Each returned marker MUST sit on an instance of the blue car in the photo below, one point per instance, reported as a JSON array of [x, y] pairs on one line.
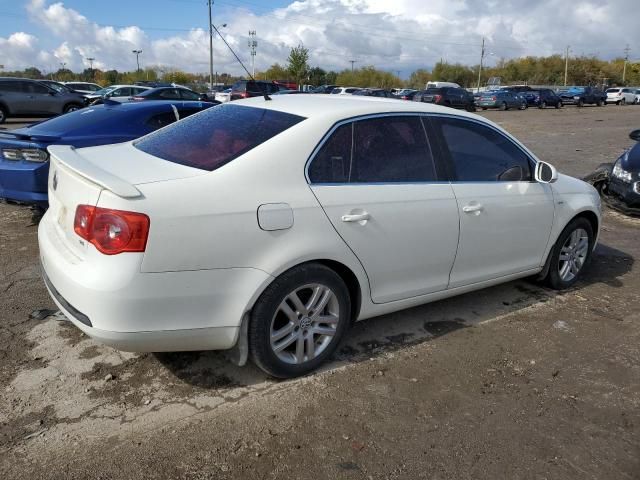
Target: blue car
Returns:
[[24, 160]]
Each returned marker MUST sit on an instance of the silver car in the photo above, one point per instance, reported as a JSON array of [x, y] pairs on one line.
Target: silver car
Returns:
[[23, 96]]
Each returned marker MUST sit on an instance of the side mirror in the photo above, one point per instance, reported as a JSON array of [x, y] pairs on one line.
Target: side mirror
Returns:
[[635, 135], [545, 173]]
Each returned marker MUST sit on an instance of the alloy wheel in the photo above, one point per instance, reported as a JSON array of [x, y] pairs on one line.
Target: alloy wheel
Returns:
[[573, 254], [304, 324]]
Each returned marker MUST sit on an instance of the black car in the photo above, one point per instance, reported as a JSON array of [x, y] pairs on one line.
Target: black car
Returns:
[[170, 93], [374, 92], [542, 98], [582, 96], [323, 89], [619, 182], [517, 88], [448, 97], [253, 88]]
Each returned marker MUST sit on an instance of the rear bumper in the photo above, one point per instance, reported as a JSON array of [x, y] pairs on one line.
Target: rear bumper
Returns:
[[112, 301], [24, 182]]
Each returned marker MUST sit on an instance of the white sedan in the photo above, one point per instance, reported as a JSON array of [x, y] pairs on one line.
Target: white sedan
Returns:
[[272, 225]]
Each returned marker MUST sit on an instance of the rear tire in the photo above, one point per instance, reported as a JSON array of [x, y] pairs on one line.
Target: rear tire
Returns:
[[3, 114], [299, 320], [599, 103], [570, 254], [504, 106], [558, 105], [623, 101]]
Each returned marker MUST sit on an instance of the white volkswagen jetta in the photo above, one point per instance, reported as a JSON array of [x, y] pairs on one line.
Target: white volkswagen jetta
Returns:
[[273, 225]]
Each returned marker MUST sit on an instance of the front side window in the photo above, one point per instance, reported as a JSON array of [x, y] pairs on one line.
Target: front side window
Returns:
[[33, 87], [188, 95], [170, 94], [481, 154], [216, 136], [388, 149]]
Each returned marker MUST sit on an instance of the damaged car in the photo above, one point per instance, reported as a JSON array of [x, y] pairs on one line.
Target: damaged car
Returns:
[[619, 182]]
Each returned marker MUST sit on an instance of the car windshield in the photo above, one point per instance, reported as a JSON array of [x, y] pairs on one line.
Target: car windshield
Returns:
[[57, 87], [104, 91], [217, 136]]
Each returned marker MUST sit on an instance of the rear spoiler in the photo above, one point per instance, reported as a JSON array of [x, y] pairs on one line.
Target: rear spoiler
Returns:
[[70, 158]]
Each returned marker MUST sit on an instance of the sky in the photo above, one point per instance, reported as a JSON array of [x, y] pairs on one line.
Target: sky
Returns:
[[394, 35]]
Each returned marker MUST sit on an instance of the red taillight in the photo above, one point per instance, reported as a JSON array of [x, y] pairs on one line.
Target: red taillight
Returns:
[[494, 98], [437, 98], [137, 99], [112, 231], [244, 95]]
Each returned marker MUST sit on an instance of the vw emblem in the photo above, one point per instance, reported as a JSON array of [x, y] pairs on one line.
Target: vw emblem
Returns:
[[55, 180]]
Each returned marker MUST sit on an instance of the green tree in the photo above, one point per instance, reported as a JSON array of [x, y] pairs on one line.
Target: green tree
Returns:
[[275, 72], [419, 79], [298, 63]]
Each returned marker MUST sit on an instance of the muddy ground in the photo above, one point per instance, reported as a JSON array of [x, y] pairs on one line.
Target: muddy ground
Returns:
[[514, 382]]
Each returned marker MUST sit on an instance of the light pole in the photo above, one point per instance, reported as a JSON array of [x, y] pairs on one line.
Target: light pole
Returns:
[[137, 53], [211, 28], [90, 60], [566, 65], [253, 44]]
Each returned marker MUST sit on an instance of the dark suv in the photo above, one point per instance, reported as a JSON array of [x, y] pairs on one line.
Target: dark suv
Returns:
[[447, 96], [582, 96], [251, 88], [22, 96], [542, 98]]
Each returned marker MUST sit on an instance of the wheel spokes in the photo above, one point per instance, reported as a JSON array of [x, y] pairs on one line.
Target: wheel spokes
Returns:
[[304, 324]]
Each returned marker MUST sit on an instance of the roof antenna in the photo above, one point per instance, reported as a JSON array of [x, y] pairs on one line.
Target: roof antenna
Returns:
[[264, 91]]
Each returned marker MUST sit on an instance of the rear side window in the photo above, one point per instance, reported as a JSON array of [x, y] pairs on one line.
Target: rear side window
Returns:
[[217, 136], [480, 154], [10, 86], [378, 150]]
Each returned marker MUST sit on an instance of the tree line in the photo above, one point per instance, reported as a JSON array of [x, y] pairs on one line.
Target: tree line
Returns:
[[583, 70]]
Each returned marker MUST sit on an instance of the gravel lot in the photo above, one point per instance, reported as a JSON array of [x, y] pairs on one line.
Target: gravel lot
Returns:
[[514, 381]]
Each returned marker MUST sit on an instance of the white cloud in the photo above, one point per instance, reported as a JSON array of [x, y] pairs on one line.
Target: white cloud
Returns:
[[398, 35]]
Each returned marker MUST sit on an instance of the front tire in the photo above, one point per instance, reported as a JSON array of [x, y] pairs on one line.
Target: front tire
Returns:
[[558, 105], [580, 103], [72, 107], [570, 254], [299, 320], [623, 101]]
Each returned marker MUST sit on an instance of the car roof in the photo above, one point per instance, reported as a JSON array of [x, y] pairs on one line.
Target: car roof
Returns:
[[340, 107]]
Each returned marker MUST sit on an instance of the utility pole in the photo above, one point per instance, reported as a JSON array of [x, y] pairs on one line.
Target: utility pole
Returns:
[[352, 62], [90, 60], [137, 54], [210, 2], [253, 44], [566, 64], [626, 60], [482, 51]]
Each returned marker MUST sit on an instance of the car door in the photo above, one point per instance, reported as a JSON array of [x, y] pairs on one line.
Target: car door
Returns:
[[505, 216], [41, 100], [376, 180]]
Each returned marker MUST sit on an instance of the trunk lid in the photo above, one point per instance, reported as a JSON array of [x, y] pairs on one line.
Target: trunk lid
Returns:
[[77, 177]]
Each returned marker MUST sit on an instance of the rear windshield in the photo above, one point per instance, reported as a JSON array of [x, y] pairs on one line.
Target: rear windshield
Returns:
[[216, 136]]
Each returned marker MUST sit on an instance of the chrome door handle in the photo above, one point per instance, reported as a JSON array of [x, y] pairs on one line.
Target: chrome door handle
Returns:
[[472, 208], [359, 217]]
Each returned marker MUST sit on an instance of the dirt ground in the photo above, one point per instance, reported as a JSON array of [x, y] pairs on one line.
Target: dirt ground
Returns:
[[513, 382]]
